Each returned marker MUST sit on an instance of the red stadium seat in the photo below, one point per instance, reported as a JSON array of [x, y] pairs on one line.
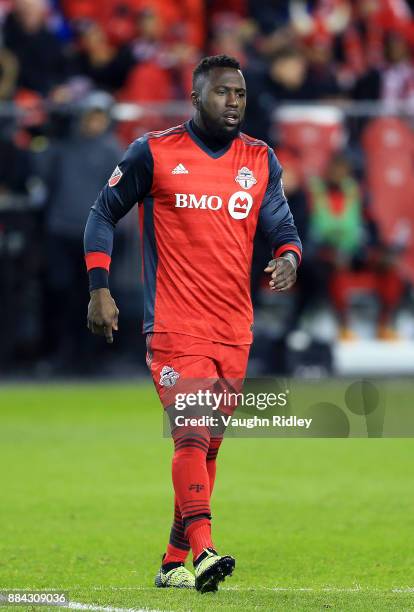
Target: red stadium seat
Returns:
[[389, 147], [313, 132]]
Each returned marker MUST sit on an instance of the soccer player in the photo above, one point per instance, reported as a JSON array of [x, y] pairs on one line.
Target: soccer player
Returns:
[[201, 188]]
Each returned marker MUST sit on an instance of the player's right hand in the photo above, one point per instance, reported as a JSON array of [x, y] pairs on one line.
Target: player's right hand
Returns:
[[103, 314]]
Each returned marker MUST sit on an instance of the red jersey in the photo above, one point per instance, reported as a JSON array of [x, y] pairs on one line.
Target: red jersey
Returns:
[[199, 211]]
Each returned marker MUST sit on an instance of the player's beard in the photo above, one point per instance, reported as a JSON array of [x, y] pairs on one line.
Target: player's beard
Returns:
[[216, 131]]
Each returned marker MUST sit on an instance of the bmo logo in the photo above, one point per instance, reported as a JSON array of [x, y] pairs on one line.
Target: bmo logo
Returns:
[[239, 204], [189, 200]]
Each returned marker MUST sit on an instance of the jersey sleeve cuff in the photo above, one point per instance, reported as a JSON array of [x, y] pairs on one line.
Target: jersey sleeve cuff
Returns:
[[98, 279], [97, 260], [289, 247]]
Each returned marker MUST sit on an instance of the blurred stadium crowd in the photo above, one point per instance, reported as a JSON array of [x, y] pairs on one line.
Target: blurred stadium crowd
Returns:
[[330, 86]]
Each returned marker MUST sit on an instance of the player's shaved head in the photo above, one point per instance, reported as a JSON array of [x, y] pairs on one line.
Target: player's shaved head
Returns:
[[219, 96]]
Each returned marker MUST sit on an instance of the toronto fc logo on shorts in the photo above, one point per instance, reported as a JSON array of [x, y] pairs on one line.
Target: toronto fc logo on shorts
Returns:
[[245, 178], [168, 377], [115, 177]]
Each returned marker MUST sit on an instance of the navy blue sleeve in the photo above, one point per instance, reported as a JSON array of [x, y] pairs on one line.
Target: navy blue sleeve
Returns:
[[129, 183], [275, 217]]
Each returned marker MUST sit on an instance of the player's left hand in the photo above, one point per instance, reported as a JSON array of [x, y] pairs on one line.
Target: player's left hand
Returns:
[[283, 272]]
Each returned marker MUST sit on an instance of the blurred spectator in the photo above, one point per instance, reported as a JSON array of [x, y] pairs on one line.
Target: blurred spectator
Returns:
[[151, 79], [227, 36], [182, 22], [120, 26], [398, 77], [359, 50], [8, 74], [297, 75], [77, 170], [14, 162], [164, 61], [98, 59], [345, 242], [19, 249], [307, 288], [31, 116], [237, 7], [336, 218], [321, 72], [293, 188], [83, 9], [39, 52], [286, 79], [394, 80], [269, 15]]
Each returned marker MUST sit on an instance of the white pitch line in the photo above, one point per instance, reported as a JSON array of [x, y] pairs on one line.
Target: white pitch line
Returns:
[[355, 589], [74, 605]]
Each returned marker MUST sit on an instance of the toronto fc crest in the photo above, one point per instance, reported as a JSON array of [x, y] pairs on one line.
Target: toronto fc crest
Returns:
[[168, 377], [245, 178]]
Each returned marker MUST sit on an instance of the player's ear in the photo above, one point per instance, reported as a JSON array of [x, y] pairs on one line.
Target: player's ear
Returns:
[[195, 99]]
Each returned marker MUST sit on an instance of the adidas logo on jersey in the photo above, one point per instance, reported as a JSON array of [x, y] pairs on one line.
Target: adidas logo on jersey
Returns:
[[180, 169]]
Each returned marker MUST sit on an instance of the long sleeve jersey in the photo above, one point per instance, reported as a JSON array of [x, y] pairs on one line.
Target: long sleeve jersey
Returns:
[[198, 212]]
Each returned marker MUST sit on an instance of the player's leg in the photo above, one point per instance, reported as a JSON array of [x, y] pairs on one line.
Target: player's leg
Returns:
[[189, 468], [178, 545], [191, 484], [191, 465], [231, 366], [215, 443], [231, 363], [172, 572]]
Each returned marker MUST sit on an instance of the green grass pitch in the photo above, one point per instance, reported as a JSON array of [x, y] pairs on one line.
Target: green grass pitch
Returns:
[[86, 505]]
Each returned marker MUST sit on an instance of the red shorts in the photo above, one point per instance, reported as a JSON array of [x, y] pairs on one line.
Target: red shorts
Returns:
[[175, 358]]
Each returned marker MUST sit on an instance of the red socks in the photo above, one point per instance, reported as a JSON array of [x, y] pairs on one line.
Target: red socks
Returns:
[[174, 555], [211, 461], [193, 472], [199, 534], [178, 547], [191, 483]]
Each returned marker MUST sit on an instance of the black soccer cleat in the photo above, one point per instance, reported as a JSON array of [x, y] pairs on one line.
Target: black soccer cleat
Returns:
[[210, 569]]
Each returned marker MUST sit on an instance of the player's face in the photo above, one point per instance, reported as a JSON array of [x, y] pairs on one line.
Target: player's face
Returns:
[[222, 102]]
